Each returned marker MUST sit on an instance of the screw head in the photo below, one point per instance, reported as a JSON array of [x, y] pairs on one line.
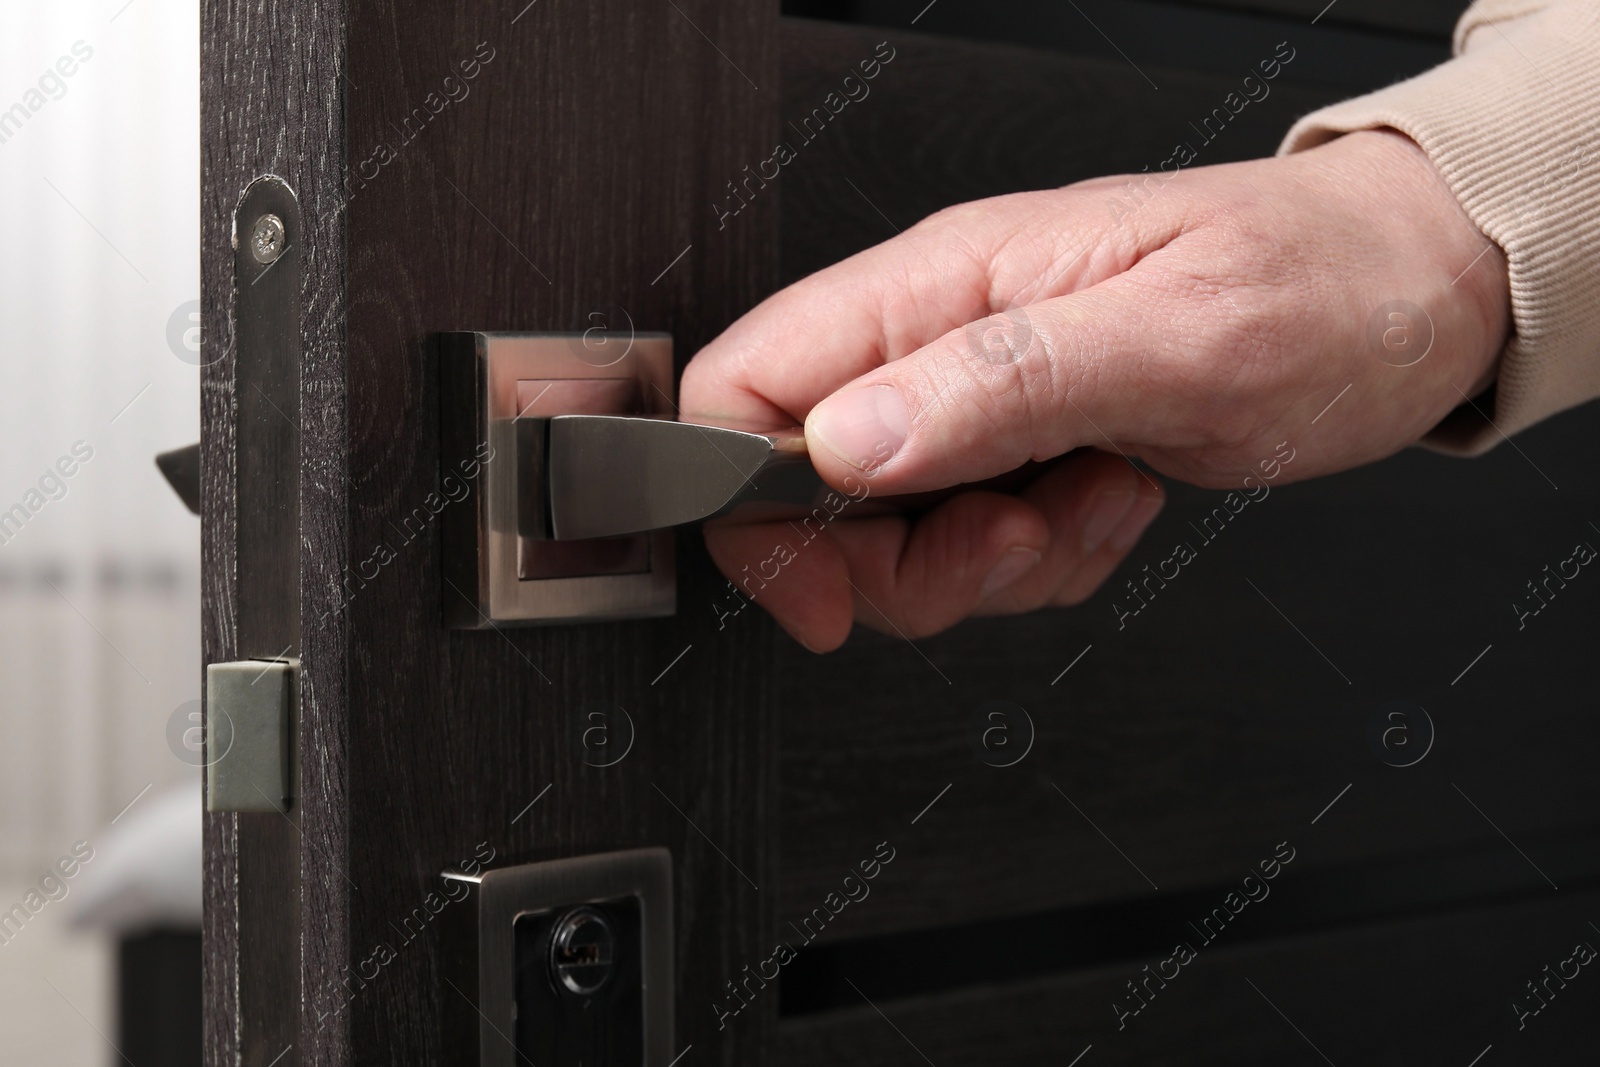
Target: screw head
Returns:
[[583, 950], [267, 239]]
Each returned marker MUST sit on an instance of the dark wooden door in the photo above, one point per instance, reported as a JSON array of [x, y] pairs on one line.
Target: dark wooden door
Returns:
[[521, 166], [471, 166], [1247, 712]]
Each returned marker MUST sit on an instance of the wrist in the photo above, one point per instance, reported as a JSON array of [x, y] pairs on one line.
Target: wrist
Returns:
[[1461, 275]]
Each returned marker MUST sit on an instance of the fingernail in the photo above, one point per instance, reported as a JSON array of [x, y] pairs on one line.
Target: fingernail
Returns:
[[865, 427], [1013, 565], [1104, 514], [1133, 524]]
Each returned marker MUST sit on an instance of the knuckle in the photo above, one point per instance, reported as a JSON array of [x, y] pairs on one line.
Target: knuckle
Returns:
[[951, 217], [696, 377], [970, 213], [1223, 358], [998, 389]]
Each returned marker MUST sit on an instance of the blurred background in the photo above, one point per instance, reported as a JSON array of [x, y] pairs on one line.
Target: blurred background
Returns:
[[99, 599]]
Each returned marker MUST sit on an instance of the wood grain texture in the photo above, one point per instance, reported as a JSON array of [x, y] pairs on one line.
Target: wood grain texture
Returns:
[[271, 104], [1437, 990], [1209, 728], [1433, 18], [1156, 39], [949, 121], [1182, 747], [1427, 18], [561, 180]]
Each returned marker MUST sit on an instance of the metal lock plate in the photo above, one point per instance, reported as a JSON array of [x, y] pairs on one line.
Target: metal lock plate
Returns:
[[250, 720], [492, 385], [564, 962]]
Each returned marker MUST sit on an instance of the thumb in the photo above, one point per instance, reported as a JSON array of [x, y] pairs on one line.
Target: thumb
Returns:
[[1024, 384]]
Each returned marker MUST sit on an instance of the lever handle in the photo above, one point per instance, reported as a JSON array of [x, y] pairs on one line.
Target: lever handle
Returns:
[[181, 468], [588, 476], [562, 463]]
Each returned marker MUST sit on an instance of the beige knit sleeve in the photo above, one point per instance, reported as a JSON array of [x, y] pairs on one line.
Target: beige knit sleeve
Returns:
[[1513, 124]]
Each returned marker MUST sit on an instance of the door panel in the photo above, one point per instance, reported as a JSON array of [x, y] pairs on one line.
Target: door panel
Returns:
[[552, 166], [498, 167], [949, 121], [268, 106], [1208, 728], [1178, 747], [1399, 988]]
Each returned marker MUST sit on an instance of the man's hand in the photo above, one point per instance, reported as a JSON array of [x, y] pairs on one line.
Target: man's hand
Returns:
[[1196, 321]]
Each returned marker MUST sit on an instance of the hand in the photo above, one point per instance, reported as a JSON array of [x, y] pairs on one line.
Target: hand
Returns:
[[1197, 322]]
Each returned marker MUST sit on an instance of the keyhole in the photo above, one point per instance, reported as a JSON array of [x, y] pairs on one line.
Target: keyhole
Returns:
[[583, 951]]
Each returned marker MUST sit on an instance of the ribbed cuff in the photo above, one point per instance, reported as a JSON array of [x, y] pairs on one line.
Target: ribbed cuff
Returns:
[[1513, 125]]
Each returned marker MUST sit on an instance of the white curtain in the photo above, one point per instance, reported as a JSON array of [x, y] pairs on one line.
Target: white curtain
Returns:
[[99, 612]]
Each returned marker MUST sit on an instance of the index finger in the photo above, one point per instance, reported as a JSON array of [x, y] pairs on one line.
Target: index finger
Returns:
[[808, 340]]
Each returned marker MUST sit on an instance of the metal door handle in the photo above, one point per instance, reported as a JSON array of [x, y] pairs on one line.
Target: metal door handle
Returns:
[[589, 476], [576, 472], [181, 468]]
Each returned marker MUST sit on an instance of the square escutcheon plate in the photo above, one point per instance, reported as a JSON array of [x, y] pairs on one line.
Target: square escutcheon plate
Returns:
[[495, 576]]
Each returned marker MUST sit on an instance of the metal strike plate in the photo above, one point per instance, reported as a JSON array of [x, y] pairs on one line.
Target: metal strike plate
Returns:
[[250, 707], [564, 962], [492, 385]]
